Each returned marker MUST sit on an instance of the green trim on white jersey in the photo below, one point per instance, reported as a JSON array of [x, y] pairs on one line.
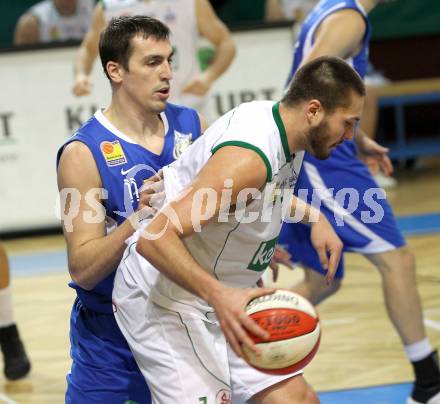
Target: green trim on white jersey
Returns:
[[282, 129], [250, 147]]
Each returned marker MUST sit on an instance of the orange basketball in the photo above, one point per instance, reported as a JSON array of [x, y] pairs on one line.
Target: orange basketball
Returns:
[[294, 329]]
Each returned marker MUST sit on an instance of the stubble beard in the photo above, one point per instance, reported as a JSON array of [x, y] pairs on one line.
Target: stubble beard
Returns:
[[318, 141]]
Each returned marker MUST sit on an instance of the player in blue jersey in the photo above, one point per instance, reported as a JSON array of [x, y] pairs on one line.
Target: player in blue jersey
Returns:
[[101, 170], [367, 226]]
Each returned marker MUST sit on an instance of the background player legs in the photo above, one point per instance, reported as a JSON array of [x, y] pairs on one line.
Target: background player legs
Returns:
[[4, 269], [402, 301], [314, 288], [397, 268], [290, 391], [16, 362]]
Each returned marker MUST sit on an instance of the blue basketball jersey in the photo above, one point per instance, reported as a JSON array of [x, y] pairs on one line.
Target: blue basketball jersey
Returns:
[[306, 37], [123, 166]]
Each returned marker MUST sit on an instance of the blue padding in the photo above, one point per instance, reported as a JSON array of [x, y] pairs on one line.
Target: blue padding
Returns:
[[34, 263], [414, 148], [392, 100], [388, 394], [419, 224]]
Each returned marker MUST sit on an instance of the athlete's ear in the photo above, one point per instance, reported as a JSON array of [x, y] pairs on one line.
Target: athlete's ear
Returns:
[[114, 71], [313, 111]]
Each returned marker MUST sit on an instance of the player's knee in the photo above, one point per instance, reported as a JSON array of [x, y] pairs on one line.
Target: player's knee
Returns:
[[304, 395], [323, 291], [310, 396], [408, 260], [291, 391], [334, 286], [407, 264], [400, 262]]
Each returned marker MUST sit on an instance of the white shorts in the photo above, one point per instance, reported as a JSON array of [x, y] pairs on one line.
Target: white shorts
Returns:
[[183, 358]]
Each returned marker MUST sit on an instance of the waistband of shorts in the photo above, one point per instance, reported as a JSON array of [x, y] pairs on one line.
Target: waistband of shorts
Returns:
[[205, 313]]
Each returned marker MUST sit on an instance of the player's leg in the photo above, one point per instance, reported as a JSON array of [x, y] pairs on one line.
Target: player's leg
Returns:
[[182, 357], [295, 238], [16, 362], [103, 368], [371, 229], [398, 271], [314, 286], [252, 386], [291, 391]]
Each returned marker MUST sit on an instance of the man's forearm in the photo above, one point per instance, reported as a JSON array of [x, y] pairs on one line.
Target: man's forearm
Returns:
[[307, 212], [96, 259], [83, 62], [169, 255], [224, 54], [359, 137]]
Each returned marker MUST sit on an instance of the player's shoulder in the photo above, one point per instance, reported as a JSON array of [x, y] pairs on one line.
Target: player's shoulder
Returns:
[[256, 104], [255, 113], [80, 141], [326, 6], [76, 149], [254, 123], [41, 7], [337, 5], [71, 153], [178, 109], [181, 114], [89, 128]]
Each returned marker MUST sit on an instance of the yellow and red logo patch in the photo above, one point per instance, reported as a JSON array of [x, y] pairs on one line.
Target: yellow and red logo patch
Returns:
[[113, 153]]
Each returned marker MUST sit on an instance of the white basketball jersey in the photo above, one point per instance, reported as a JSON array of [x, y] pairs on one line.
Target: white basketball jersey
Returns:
[[180, 17], [56, 27], [236, 247]]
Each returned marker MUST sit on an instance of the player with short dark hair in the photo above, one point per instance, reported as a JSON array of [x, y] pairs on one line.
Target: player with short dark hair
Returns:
[[214, 238], [188, 20], [101, 172]]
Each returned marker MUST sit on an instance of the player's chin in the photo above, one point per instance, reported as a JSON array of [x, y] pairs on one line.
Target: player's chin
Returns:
[[160, 104], [326, 154], [323, 154]]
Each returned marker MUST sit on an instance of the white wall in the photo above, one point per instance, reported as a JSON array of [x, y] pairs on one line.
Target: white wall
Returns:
[[38, 112]]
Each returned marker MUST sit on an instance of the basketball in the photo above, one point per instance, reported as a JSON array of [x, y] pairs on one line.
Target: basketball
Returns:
[[294, 329]]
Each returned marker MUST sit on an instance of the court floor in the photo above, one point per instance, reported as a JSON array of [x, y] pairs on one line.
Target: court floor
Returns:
[[360, 359]]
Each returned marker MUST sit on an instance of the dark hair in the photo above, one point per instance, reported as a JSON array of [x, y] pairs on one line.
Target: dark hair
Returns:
[[115, 40], [327, 79]]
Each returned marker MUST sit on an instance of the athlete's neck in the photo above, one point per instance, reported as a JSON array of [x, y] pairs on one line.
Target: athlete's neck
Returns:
[[296, 127], [136, 124]]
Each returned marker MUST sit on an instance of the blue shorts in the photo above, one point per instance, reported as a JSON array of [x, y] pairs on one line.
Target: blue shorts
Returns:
[[344, 190], [103, 368]]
